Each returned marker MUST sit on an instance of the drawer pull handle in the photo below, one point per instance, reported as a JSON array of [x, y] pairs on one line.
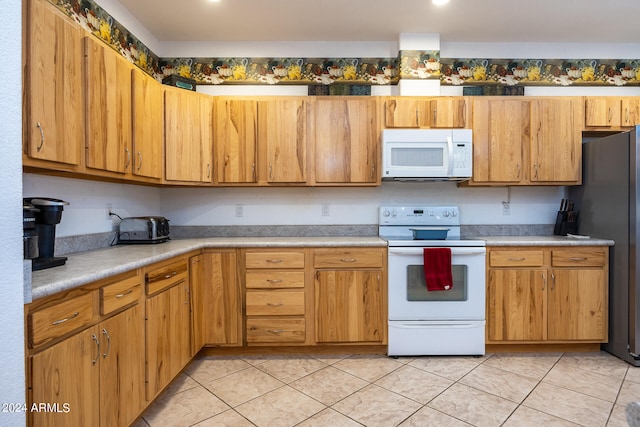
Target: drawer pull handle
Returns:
[[274, 280], [124, 294], [517, 259], [66, 319], [95, 339], [348, 260], [170, 275], [578, 258], [275, 331], [274, 261], [275, 304]]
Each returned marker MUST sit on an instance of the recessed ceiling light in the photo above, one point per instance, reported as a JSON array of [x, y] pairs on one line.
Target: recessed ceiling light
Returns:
[[214, 1], [439, 2]]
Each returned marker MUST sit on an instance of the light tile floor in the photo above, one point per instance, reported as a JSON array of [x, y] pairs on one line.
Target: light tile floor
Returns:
[[541, 389]]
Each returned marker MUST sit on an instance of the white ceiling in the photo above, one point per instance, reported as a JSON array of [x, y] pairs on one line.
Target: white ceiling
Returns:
[[561, 21]]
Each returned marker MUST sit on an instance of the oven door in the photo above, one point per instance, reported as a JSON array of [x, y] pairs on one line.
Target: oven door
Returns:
[[409, 298]]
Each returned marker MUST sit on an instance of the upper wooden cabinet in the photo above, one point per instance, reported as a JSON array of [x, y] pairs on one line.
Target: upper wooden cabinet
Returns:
[[54, 91], [527, 141], [188, 136], [500, 140], [147, 126], [108, 109], [235, 141], [282, 140], [261, 142], [346, 141], [417, 112], [612, 112], [556, 141]]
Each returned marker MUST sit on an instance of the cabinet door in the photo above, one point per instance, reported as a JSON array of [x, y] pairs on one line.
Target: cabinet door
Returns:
[[500, 135], [68, 374], [349, 306], [54, 86], [446, 112], [147, 126], [168, 346], [122, 368], [404, 112], [282, 126], [556, 141], [346, 141], [516, 305], [108, 107], [630, 111], [235, 144], [187, 119], [577, 300], [602, 111], [216, 300]]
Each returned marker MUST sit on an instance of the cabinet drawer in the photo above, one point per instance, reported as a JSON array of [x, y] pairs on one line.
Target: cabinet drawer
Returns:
[[533, 258], [293, 259], [265, 303], [276, 330], [580, 257], [119, 294], [275, 279], [336, 258], [55, 321], [164, 277]]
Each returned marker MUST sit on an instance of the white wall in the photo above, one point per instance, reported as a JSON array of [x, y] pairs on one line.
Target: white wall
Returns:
[[303, 206], [87, 210], [12, 378]]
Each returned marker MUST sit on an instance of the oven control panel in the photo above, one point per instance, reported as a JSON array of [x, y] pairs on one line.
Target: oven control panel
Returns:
[[419, 215]]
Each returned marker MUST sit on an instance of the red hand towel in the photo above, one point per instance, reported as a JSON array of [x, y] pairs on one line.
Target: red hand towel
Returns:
[[437, 269]]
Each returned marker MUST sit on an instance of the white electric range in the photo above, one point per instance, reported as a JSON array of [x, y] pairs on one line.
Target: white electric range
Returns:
[[423, 322]]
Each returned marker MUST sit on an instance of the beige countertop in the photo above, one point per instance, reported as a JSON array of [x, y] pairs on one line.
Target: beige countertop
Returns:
[[86, 267], [544, 241]]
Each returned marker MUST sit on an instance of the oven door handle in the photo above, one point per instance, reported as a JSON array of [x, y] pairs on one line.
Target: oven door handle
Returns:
[[454, 251], [433, 326]]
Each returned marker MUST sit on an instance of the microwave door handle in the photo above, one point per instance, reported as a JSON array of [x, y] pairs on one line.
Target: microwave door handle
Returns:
[[450, 162]]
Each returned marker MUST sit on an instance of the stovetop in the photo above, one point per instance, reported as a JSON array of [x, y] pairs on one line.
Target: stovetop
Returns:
[[396, 224]]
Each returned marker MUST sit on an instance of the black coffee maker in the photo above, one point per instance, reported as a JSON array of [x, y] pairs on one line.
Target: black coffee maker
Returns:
[[48, 213]]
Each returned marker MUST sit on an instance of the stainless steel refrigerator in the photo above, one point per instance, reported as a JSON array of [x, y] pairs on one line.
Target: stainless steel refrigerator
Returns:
[[608, 203]]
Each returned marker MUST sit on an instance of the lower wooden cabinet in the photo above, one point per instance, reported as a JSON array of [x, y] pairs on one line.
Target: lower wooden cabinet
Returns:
[[95, 377], [349, 306], [547, 295], [350, 295], [215, 298], [168, 324], [276, 296]]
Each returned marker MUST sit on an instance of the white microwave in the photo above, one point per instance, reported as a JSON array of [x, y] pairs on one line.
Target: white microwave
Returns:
[[427, 154]]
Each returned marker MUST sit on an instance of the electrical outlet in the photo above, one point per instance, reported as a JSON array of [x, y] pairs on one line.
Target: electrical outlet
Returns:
[[108, 211], [325, 209], [239, 210], [506, 208]]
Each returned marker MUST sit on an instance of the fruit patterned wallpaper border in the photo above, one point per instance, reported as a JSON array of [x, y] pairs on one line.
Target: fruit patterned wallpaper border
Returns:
[[413, 64]]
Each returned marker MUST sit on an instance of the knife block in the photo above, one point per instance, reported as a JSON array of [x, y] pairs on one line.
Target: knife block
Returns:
[[563, 225]]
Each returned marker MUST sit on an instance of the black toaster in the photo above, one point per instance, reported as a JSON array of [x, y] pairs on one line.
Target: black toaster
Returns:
[[143, 229]]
